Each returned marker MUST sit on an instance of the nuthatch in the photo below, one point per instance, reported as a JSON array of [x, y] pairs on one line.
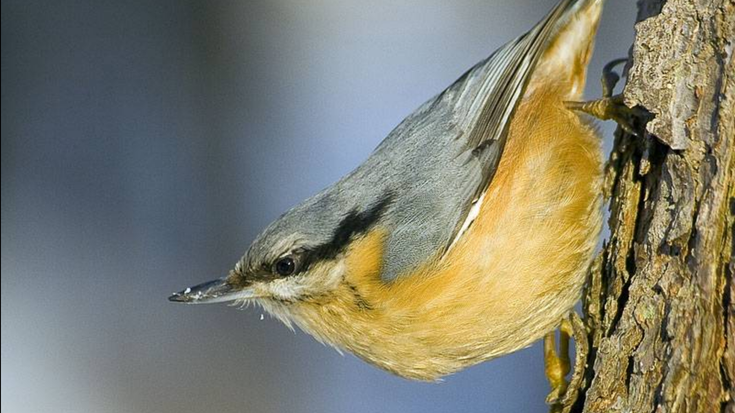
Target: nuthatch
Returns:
[[466, 235]]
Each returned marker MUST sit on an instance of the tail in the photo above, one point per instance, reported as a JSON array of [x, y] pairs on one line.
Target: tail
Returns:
[[568, 50], [556, 50]]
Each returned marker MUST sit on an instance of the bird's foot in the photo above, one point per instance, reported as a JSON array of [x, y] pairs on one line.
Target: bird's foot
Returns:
[[612, 107], [632, 120], [564, 393], [557, 364]]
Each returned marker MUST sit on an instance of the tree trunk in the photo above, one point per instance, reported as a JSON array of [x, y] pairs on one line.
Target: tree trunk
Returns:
[[659, 304]]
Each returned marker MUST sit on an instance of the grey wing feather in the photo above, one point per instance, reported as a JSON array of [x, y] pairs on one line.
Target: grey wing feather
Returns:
[[476, 111], [509, 71]]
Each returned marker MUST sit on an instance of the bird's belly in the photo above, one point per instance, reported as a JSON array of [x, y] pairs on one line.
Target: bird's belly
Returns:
[[534, 240]]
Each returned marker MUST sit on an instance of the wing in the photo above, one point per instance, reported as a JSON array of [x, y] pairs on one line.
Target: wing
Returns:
[[467, 126], [508, 72]]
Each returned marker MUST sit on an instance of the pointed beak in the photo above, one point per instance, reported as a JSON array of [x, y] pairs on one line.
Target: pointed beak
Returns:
[[217, 291]]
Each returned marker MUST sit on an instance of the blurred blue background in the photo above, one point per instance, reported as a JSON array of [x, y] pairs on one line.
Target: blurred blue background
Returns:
[[144, 144]]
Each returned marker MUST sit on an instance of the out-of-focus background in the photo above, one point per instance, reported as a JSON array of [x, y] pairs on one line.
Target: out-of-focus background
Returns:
[[144, 144]]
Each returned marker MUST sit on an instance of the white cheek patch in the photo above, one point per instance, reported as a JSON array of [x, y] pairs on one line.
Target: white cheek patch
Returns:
[[287, 288], [335, 274], [315, 282], [277, 293]]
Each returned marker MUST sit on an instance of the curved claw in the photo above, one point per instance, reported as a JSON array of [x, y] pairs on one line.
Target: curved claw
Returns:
[[611, 78]]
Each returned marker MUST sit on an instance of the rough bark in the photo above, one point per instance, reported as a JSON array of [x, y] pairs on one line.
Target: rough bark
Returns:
[[659, 304]]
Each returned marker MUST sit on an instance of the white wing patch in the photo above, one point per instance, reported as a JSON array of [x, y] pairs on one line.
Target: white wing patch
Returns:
[[471, 216]]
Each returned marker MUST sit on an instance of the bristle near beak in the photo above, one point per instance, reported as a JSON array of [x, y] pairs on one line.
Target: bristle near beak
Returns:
[[216, 291]]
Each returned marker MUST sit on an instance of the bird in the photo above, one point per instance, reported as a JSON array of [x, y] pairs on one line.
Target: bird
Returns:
[[467, 233]]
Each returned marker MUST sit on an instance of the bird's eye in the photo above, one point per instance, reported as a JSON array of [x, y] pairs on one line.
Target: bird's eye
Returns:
[[285, 266]]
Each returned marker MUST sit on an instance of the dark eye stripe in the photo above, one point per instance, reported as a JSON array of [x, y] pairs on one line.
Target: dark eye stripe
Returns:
[[354, 224]]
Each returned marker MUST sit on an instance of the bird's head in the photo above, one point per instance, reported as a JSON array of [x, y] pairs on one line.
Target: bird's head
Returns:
[[300, 256]]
